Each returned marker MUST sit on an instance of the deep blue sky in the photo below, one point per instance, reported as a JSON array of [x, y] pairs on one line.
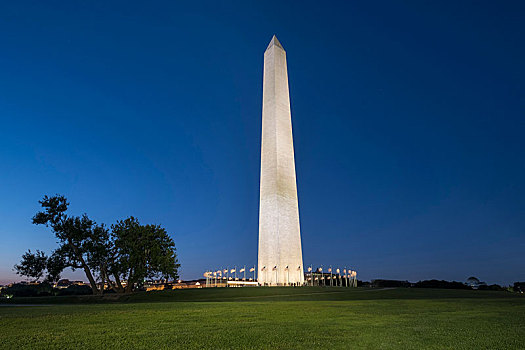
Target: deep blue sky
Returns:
[[408, 120]]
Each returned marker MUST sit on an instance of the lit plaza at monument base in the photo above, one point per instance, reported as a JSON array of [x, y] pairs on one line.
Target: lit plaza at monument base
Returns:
[[332, 277], [280, 257]]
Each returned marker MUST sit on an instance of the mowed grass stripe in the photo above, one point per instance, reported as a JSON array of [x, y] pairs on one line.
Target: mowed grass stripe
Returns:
[[466, 321]]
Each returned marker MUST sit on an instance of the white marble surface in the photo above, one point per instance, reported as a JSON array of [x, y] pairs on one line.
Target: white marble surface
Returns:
[[279, 229]]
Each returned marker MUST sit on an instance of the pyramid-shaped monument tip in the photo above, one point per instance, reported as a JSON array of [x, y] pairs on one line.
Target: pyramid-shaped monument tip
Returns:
[[275, 42]]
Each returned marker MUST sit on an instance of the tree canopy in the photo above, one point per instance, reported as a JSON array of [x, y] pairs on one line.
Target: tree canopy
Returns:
[[33, 265]]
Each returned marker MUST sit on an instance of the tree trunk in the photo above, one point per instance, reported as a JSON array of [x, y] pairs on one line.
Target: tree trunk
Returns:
[[131, 282], [110, 283], [87, 271], [92, 281], [106, 277], [120, 288]]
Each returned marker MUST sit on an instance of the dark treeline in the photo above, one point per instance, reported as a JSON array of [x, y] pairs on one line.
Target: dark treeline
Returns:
[[383, 283], [441, 284], [43, 289], [519, 287]]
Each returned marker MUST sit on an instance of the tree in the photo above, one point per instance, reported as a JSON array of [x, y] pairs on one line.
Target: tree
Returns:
[[33, 265], [81, 241], [130, 251], [142, 251]]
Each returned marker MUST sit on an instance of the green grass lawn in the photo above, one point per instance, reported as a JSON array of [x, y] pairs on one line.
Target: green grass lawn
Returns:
[[270, 318]]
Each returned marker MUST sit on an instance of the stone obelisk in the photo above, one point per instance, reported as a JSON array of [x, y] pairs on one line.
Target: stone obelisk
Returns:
[[280, 254]]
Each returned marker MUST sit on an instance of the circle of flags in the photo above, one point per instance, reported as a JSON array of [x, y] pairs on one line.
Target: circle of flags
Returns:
[[313, 277]]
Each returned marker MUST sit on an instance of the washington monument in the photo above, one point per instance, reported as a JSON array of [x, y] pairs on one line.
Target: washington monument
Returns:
[[280, 254]]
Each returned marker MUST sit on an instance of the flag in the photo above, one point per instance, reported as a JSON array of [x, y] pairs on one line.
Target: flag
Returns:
[[252, 269]]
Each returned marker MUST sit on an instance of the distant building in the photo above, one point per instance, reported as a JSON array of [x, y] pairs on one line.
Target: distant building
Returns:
[[166, 285], [64, 283], [474, 283]]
